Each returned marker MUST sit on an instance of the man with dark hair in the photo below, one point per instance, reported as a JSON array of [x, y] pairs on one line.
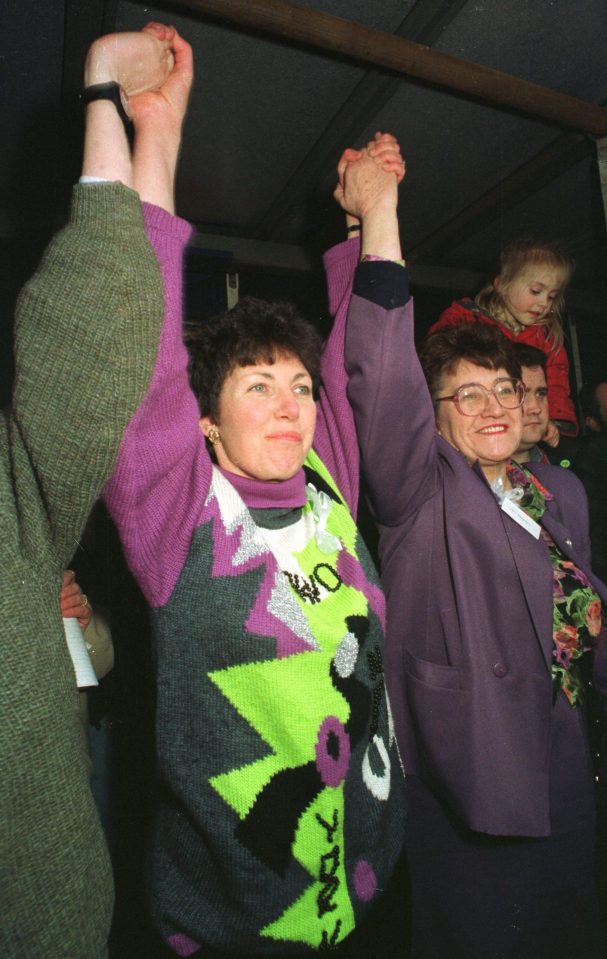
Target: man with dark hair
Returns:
[[535, 406]]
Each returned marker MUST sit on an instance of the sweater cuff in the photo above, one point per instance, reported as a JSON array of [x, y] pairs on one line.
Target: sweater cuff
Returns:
[[161, 221], [382, 282], [107, 209]]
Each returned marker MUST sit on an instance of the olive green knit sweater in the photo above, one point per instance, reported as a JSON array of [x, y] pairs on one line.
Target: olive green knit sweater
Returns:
[[86, 336]]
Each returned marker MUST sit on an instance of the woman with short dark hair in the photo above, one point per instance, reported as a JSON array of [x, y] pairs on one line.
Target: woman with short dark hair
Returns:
[[280, 812]]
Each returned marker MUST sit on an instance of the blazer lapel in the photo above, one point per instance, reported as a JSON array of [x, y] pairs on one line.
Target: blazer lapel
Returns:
[[535, 574]]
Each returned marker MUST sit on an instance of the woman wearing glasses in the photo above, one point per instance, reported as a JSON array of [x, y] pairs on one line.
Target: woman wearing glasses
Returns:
[[493, 612]]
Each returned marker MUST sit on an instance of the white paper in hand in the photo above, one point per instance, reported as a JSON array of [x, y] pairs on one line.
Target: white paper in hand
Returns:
[[76, 643]]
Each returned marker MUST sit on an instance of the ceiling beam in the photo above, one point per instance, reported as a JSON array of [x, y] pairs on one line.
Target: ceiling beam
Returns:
[[242, 253], [222, 254], [357, 42]]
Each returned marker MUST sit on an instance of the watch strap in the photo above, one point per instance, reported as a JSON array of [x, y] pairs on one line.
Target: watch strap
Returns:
[[108, 91]]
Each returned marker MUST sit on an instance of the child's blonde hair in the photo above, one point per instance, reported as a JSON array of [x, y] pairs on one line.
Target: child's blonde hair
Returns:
[[516, 257]]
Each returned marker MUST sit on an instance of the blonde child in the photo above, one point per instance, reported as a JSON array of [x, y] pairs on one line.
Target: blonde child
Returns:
[[525, 300]]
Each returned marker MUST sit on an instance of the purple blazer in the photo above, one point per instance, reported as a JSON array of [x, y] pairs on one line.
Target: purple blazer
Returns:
[[469, 633]]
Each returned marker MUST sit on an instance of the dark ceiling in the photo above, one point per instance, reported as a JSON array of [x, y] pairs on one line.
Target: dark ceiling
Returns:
[[269, 118]]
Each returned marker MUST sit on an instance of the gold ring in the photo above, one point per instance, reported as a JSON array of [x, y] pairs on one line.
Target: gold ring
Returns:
[[84, 601]]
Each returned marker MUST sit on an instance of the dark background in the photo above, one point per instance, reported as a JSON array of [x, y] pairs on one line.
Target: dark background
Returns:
[[267, 123]]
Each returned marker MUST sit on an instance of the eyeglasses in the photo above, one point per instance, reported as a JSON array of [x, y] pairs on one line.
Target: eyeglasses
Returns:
[[472, 398]]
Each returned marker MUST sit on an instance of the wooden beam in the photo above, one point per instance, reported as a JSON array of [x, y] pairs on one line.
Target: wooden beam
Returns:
[[245, 254], [355, 41], [223, 254]]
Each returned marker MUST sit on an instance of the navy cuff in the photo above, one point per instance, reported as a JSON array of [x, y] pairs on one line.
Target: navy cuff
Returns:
[[382, 282]]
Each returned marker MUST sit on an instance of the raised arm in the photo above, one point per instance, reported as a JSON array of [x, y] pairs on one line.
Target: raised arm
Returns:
[[336, 439], [163, 470], [87, 329], [393, 410], [136, 62], [158, 117]]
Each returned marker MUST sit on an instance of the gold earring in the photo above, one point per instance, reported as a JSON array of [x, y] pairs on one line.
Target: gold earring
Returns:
[[213, 435]]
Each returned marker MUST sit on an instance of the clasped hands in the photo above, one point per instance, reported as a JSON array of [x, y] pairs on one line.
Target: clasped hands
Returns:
[[154, 68], [369, 177]]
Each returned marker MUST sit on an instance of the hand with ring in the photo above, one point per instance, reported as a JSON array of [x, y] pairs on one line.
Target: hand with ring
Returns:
[[73, 602]]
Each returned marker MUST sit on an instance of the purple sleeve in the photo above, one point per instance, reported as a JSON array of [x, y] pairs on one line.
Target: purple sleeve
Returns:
[[163, 470], [392, 407], [335, 438]]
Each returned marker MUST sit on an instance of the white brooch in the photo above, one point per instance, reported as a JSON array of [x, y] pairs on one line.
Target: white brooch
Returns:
[[514, 494], [321, 507]]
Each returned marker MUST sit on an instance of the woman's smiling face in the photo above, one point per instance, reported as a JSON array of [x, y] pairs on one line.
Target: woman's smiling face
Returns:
[[266, 420], [492, 436]]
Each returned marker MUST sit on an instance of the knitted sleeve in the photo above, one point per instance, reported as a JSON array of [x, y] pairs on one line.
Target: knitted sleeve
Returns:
[[163, 471], [86, 334], [335, 438]]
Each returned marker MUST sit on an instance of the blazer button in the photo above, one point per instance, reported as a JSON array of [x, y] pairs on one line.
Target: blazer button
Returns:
[[500, 670], [568, 542]]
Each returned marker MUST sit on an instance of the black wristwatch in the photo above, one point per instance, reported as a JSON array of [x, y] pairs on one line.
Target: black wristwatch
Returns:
[[109, 91]]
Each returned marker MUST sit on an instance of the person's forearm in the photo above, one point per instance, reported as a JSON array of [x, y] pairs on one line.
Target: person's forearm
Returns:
[[106, 149], [158, 118], [155, 156], [380, 234]]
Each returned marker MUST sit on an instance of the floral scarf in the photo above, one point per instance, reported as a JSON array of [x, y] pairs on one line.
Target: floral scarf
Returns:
[[577, 618]]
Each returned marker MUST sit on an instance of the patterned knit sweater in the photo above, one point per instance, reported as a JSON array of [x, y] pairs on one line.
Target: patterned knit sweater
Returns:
[[86, 336], [281, 808]]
